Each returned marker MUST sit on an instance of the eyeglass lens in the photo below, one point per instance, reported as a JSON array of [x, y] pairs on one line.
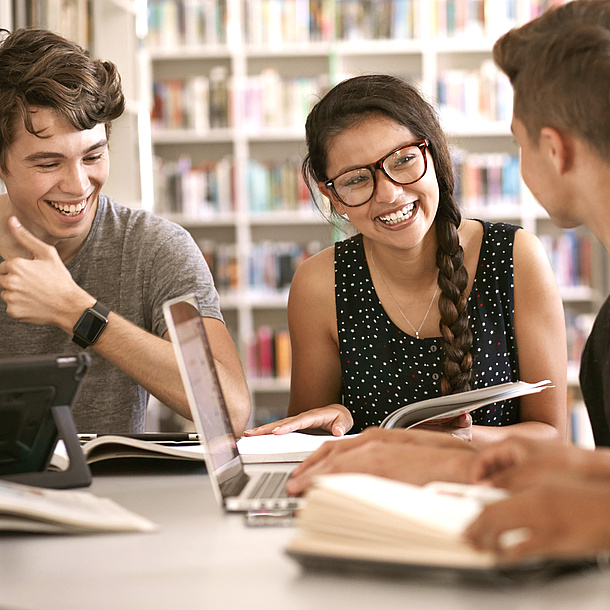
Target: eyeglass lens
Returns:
[[403, 166]]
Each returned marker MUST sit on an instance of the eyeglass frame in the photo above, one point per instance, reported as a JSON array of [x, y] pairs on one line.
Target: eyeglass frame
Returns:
[[373, 167]]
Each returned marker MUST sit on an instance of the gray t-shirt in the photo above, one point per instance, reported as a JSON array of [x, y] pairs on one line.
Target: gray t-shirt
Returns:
[[132, 261]]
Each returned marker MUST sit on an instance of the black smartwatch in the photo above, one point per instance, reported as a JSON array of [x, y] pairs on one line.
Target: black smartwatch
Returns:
[[90, 325]]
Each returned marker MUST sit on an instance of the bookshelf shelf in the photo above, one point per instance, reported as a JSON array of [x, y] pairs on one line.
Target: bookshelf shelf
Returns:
[[188, 52], [270, 57], [184, 136]]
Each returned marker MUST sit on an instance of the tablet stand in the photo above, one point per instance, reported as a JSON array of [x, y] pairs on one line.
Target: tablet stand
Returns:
[[77, 474]]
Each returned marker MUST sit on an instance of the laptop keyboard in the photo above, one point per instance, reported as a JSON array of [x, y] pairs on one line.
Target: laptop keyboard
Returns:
[[270, 485]]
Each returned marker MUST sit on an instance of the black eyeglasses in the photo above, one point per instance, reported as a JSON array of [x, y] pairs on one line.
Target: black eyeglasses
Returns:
[[403, 166]]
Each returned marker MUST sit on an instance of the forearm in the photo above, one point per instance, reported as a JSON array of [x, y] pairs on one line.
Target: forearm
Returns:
[[147, 359], [236, 395], [485, 435]]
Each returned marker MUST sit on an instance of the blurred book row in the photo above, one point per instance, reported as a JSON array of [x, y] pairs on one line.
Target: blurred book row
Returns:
[[277, 22]]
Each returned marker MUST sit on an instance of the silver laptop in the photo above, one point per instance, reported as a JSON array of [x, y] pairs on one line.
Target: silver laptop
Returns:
[[234, 489]]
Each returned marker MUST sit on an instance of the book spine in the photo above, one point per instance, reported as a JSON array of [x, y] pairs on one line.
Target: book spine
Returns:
[[487, 180], [272, 264], [571, 256], [268, 354], [193, 191], [223, 263]]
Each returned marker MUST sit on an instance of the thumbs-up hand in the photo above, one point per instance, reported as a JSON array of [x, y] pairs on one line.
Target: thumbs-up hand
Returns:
[[40, 289]]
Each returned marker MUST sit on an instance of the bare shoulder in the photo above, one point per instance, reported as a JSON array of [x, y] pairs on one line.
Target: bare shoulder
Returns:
[[316, 274], [312, 291], [527, 244], [530, 260], [471, 234]]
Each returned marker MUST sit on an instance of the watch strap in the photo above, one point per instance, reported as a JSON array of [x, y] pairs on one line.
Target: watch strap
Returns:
[[101, 309]]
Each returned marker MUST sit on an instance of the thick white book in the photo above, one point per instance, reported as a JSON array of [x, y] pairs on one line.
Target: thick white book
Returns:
[[33, 509], [445, 408], [358, 522], [291, 447]]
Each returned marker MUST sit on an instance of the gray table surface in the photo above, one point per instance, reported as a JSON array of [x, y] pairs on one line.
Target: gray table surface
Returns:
[[202, 558]]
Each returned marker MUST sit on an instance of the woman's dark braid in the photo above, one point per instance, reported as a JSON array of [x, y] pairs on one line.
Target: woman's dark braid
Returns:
[[452, 305]]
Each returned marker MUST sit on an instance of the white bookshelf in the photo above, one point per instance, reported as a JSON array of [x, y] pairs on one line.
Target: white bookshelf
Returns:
[[423, 59]]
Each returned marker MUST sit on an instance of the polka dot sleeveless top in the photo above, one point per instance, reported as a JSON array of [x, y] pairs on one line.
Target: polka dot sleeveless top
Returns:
[[385, 368]]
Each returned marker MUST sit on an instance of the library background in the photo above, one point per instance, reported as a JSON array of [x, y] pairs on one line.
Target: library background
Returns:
[[218, 92]]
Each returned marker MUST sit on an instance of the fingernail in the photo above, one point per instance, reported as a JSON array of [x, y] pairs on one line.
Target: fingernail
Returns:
[[275, 429], [16, 221]]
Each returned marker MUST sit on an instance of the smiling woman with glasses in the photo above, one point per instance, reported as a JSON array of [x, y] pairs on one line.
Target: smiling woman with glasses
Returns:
[[419, 302]]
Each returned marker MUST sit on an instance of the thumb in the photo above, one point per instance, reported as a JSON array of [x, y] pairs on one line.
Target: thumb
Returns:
[[463, 421], [30, 242]]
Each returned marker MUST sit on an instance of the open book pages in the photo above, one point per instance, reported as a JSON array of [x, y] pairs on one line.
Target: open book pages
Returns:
[[444, 408], [292, 447], [358, 516], [109, 447], [32, 509]]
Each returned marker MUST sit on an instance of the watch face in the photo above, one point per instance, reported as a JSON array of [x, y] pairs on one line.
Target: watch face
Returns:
[[91, 325]]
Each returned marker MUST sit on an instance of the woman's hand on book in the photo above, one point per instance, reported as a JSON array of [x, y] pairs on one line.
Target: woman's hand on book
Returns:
[[335, 418], [460, 427]]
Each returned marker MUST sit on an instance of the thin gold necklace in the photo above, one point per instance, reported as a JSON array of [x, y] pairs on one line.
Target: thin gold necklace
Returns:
[[402, 313]]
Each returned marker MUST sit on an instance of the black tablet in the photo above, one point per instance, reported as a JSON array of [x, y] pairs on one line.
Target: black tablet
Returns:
[[36, 395]]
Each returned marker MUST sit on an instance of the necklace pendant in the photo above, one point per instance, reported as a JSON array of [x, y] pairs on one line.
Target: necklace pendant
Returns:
[[416, 334]]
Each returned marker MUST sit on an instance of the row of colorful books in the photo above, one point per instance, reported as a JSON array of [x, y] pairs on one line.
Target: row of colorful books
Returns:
[[275, 186], [207, 189], [201, 190], [206, 102], [571, 256], [377, 20], [271, 23], [275, 22], [271, 100], [70, 18], [223, 262], [173, 23], [271, 265], [199, 103], [268, 354], [486, 180], [484, 93]]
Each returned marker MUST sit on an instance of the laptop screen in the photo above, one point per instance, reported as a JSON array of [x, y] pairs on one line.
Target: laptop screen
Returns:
[[207, 402]]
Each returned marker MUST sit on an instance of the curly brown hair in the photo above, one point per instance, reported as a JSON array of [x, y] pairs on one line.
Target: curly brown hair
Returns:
[[356, 99], [39, 68]]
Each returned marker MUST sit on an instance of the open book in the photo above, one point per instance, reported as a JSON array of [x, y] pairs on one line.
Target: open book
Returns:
[[444, 408], [359, 522], [293, 447], [111, 446], [33, 509]]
